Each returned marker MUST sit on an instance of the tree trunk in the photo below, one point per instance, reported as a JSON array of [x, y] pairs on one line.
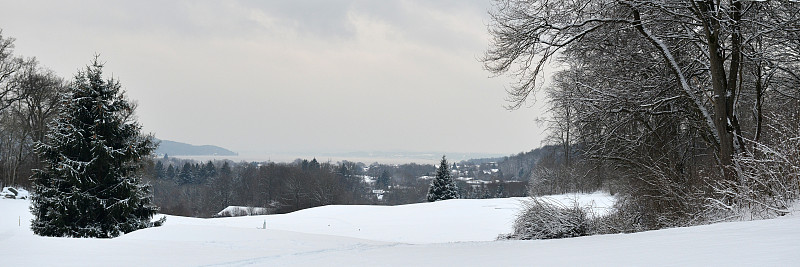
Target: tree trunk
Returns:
[[722, 94], [759, 96]]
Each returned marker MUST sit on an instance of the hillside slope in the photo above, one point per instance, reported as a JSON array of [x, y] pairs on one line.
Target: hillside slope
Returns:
[[383, 236], [173, 148]]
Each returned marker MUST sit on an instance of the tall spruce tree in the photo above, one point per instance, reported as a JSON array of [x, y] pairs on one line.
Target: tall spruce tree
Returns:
[[186, 176], [158, 170], [170, 174], [383, 180], [210, 170], [443, 186], [90, 184]]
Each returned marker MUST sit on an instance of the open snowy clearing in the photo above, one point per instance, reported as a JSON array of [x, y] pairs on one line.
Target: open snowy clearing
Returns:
[[446, 233]]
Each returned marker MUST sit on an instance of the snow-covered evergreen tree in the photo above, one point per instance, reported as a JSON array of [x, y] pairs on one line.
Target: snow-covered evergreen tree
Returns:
[[90, 184], [443, 186], [210, 169], [170, 174], [158, 170], [384, 180], [186, 176]]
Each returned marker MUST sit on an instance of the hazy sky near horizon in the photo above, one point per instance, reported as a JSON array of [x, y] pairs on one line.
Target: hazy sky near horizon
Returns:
[[290, 76]]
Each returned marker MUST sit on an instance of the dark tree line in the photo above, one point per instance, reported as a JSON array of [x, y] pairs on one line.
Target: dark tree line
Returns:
[[188, 173], [203, 189], [189, 188]]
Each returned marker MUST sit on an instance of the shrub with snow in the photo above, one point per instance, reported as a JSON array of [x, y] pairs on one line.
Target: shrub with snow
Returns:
[[768, 182], [543, 219], [235, 211]]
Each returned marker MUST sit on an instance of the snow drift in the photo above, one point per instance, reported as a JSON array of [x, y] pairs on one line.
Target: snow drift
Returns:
[[444, 233]]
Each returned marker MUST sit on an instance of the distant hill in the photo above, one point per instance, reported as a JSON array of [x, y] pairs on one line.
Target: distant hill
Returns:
[[173, 148]]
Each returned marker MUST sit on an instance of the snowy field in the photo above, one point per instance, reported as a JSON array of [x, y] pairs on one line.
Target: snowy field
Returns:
[[445, 233]]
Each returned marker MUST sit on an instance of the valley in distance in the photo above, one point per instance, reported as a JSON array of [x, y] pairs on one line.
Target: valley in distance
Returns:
[[212, 152]]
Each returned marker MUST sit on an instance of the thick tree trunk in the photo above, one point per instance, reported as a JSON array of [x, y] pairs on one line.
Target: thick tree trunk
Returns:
[[734, 74], [723, 96]]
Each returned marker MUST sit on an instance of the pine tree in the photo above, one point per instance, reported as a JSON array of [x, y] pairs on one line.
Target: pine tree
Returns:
[[186, 176], [443, 186], [210, 170], [209, 173], [343, 171], [90, 184], [501, 191], [170, 172], [200, 174], [383, 180], [158, 170], [225, 170]]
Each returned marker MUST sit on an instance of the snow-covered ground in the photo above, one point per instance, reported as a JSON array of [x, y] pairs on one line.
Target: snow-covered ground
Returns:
[[445, 233]]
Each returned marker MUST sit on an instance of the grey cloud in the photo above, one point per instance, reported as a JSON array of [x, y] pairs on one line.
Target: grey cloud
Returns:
[[330, 18], [320, 18], [309, 79]]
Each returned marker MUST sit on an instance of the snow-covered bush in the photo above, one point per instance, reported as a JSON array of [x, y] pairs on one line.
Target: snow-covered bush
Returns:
[[545, 219], [236, 211], [623, 219], [768, 182]]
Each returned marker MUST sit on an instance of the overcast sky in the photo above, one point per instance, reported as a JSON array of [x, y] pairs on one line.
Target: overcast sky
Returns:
[[290, 76]]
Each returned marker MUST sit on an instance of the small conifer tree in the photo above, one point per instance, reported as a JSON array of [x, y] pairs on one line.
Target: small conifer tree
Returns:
[[186, 175], [170, 172], [90, 184], [443, 186], [210, 170], [384, 180], [158, 170]]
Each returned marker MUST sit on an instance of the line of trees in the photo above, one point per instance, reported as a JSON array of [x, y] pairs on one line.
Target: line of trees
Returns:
[[202, 190], [190, 188], [689, 107]]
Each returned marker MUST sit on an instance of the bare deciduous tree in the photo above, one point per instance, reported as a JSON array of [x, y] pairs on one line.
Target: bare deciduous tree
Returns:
[[662, 85]]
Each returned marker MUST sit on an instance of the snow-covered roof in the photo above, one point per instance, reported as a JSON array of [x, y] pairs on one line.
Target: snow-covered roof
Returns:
[[14, 193]]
